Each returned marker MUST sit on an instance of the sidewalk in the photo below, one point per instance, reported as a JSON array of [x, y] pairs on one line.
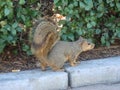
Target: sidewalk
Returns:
[[99, 87]]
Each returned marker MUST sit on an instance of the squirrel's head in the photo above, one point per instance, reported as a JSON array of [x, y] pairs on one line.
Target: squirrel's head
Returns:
[[85, 45]]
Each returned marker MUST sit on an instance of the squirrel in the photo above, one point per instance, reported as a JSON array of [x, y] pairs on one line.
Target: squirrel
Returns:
[[67, 51], [44, 38]]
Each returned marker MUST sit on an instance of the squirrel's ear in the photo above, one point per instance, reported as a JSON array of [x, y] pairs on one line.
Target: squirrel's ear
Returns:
[[80, 38]]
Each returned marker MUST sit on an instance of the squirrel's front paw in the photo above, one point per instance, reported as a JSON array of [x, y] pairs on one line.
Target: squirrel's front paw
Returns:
[[77, 62], [74, 63]]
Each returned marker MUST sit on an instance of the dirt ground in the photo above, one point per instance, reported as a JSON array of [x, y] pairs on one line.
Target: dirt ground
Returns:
[[13, 63]]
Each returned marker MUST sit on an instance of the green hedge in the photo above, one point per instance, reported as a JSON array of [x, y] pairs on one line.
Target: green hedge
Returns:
[[97, 20], [15, 20]]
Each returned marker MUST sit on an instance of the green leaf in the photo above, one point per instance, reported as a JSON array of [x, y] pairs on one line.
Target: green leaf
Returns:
[[14, 42], [2, 47], [6, 11], [89, 25], [7, 27], [25, 47], [108, 1], [56, 1], [15, 25], [22, 2], [1, 41], [98, 31], [118, 6], [29, 52], [71, 6], [75, 3], [103, 40], [79, 32], [71, 36], [82, 5], [14, 32], [64, 37], [107, 43], [28, 23], [119, 35], [99, 15], [2, 23], [101, 8], [19, 29], [89, 4], [106, 35], [112, 41], [2, 3], [118, 32], [100, 1], [112, 4], [93, 23], [23, 18], [10, 38]]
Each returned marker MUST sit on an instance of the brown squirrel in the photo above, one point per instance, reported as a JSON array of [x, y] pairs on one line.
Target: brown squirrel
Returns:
[[44, 38], [67, 51]]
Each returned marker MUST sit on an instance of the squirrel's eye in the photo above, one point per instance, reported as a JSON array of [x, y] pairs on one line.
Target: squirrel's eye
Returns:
[[88, 43]]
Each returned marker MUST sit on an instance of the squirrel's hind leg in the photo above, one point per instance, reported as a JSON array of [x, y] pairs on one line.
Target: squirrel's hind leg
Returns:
[[43, 67], [43, 64]]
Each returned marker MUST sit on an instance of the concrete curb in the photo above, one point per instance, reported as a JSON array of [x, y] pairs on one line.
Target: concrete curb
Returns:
[[34, 80], [95, 71], [86, 73]]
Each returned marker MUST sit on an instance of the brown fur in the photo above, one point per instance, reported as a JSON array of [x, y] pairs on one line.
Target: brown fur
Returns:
[[45, 37], [67, 51]]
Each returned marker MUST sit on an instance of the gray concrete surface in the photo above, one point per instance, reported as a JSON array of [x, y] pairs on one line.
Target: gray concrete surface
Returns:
[[99, 87], [34, 80], [95, 71]]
